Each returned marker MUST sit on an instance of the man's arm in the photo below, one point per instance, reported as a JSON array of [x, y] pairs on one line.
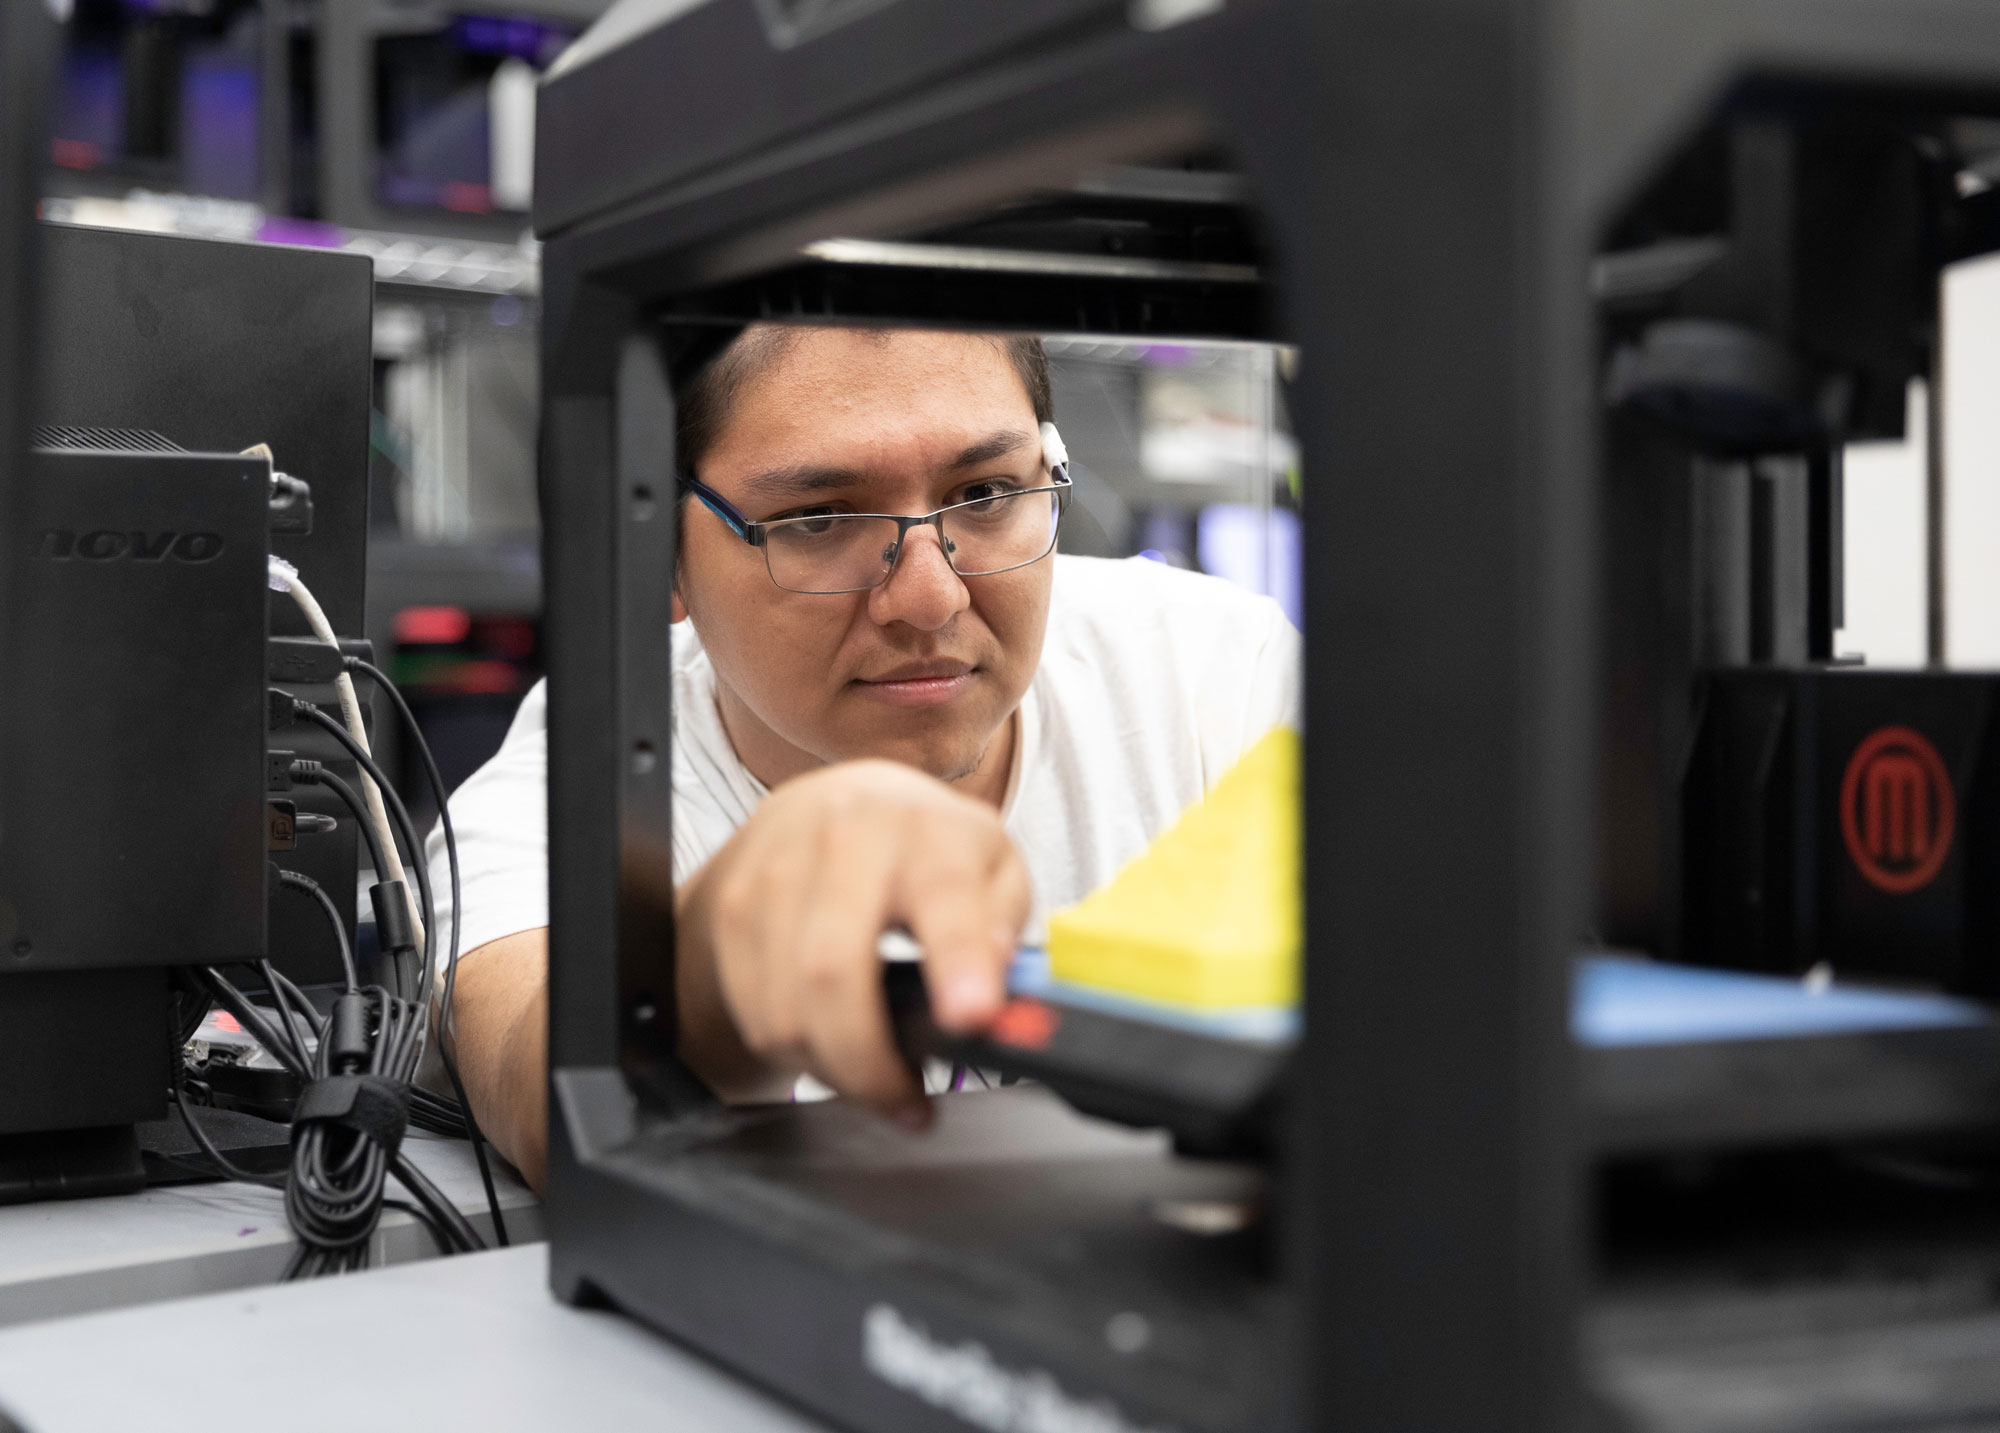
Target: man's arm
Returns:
[[500, 1015], [775, 960]]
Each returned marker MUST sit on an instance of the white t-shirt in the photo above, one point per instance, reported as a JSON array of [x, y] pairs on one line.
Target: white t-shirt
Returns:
[[1153, 681]]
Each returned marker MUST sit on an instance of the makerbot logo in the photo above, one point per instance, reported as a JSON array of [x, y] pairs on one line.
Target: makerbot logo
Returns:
[[1896, 810], [968, 1382], [110, 545]]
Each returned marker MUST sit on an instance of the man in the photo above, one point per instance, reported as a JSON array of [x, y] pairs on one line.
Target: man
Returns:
[[932, 724]]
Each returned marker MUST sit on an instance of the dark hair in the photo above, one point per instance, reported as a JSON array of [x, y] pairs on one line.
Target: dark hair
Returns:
[[702, 402]]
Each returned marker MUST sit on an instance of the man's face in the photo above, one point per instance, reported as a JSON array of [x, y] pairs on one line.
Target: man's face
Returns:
[[924, 669]]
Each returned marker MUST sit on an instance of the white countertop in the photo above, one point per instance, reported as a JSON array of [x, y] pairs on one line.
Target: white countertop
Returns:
[[71, 1256], [475, 1342]]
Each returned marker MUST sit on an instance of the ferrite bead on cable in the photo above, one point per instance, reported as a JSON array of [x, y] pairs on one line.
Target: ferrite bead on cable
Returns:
[[347, 1035], [392, 916]]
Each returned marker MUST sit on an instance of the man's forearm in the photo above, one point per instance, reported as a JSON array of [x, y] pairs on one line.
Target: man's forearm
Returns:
[[501, 1023]]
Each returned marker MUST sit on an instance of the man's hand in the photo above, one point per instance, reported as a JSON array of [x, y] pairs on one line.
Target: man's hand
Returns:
[[776, 936], [776, 962]]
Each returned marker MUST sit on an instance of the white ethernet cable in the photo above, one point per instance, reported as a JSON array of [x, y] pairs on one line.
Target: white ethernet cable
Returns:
[[285, 578]]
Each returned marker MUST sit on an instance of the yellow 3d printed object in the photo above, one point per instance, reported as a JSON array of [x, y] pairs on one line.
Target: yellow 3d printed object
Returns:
[[1209, 916]]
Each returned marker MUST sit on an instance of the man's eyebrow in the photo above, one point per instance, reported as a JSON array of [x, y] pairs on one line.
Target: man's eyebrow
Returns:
[[801, 479], [997, 445]]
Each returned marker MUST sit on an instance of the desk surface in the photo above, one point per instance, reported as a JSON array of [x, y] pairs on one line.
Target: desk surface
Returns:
[[79, 1255], [474, 1342]]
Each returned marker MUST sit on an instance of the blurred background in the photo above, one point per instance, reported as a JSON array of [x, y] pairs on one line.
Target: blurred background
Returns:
[[405, 131]]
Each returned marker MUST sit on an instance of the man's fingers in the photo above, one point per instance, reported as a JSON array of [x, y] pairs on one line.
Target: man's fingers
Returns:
[[853, 1050], [959, 915], [839, 976]]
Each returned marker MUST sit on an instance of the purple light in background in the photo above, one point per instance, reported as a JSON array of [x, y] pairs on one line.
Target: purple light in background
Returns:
[[401, 189], [1167, 532], [90, 104], [219, 126], [277, 229], [518, 37], [1253, 550]]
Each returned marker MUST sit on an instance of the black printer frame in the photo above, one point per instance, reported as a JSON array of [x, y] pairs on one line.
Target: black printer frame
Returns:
[[1429, 177]]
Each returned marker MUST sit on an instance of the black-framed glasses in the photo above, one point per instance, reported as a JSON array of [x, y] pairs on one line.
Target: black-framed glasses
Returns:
[[830, 553]]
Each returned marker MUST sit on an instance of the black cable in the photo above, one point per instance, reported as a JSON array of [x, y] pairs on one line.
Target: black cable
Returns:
[[252, 1020], [189, 994], [335, 1188], [299, 881], [215, 1156], [431, 776], [447, 1025], [428, 1194], [385, 865], [333, 1198], [291, 998], [437, 1114], [287, 1017], [280, 1018], [334, 1195], [423, 1217], [399, 817], [385, 868], [299, 1002]]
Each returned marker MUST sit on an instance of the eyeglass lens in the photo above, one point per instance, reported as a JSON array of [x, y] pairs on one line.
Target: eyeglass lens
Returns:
[[850, 552]]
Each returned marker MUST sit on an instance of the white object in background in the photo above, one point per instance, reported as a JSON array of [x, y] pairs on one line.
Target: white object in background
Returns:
[[425, 398], [1215, 450], [140, 216], [1971, 303], [510, 99], [1883, 547]]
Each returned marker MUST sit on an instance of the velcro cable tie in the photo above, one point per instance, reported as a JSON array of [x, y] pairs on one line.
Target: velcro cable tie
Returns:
[[371, 1106]]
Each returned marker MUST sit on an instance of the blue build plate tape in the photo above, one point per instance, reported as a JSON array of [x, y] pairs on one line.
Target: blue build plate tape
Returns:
[[1264, 1024], [1617, 1002], [1620, 1001]]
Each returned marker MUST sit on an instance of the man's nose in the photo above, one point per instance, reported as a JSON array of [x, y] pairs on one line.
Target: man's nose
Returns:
[[922, 590]]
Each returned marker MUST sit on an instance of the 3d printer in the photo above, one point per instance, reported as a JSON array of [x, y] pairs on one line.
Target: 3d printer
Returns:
[[1547, 497]]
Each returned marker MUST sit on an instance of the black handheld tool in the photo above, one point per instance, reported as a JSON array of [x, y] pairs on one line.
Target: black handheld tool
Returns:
[[1219, 1098]]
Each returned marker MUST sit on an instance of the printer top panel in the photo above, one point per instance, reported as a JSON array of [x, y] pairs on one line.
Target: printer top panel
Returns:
[[662, 90]]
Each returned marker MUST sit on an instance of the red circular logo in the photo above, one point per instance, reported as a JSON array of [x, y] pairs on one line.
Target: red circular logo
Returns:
[[1897, 810]]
